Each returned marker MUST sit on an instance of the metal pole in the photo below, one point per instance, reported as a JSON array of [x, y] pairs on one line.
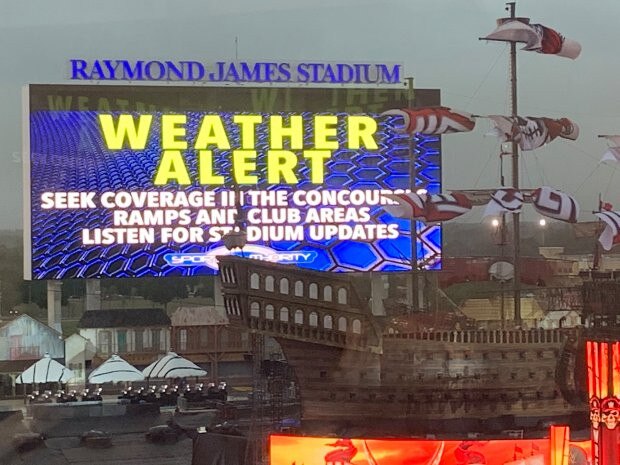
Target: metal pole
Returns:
[[502, 244], [515, 175], [596, 259], [413, 173]]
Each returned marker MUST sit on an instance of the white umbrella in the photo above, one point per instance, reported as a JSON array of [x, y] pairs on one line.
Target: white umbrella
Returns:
[[114, 370], [172, 366], [46, 370]]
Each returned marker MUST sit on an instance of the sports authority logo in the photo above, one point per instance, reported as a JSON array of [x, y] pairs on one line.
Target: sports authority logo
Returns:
[[256, 252]]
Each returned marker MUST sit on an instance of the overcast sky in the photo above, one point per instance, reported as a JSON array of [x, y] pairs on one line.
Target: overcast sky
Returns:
[[436, 40]]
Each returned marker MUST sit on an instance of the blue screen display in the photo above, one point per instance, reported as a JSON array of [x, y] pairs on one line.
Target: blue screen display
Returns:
[[109, 201]]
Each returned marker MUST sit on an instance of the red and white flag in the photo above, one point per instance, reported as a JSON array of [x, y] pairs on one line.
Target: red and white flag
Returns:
[[504, 201], [433, 120], [444, 207], [611, 234], [532, 132], [428, 208], [536, 37], [410, 205], [555, 204]]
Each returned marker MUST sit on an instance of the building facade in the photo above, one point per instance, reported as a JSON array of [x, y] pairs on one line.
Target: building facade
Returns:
[[137, 335], [204, 336], [23, 341]]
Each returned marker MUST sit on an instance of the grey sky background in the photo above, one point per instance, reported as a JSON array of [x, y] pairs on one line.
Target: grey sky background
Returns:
[[437, 40]]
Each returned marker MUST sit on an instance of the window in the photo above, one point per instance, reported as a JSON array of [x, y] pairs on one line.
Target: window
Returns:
[[254, 281], [342, 324], [139, 338], [284, 286], [299, 289], [328, 322], [342, 296], [357, 326], [183, 339], [269, 283], [156, 335], [284, 314], [104, 342], [299, 317], [327, 293], [79, 369], [313, 291], [147, 340], [269, 312], [255, 310], [313, 320], [131, 347]]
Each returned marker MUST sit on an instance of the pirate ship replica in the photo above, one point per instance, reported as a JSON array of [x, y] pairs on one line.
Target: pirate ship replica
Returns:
[[362, 374]]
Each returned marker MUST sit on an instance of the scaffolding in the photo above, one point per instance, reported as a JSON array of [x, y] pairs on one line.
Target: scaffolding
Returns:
[[256, 451]]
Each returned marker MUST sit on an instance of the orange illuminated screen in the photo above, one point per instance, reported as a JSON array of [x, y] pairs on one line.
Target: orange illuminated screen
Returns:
[[295, 450], [601, 357]]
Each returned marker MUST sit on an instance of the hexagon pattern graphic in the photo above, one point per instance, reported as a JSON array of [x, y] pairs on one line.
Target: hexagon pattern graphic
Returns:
[[68, 154]]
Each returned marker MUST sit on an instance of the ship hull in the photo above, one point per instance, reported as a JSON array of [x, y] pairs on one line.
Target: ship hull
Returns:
[[417, 387]]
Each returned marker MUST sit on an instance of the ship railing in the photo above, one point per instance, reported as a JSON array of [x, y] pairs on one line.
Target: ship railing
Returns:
[[305, 332], [532, 336]]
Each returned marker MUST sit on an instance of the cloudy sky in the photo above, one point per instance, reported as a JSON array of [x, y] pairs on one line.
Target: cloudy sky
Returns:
[[436, 40]]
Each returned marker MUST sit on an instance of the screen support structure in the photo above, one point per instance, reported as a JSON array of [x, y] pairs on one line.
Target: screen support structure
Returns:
[[414, 288]]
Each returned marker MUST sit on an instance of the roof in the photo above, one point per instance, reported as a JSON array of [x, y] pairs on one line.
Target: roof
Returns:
[[557, 314], [124, 318], [17, 366], [28, 317], [207, 315]]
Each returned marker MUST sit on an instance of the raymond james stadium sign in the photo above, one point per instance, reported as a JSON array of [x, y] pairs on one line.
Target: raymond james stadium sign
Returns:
[[238, 71]]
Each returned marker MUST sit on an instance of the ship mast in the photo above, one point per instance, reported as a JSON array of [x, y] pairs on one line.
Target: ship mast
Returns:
[[515, 174]]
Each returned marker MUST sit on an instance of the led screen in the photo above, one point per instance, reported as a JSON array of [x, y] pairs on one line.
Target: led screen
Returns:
[[133, 182], [287, 450]]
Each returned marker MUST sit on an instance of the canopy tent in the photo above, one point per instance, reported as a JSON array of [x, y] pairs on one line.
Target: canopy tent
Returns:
[[46, 370], [172, 365], [115, 370]]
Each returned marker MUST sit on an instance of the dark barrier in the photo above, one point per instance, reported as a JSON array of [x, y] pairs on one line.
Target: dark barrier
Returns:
[[218, 449]]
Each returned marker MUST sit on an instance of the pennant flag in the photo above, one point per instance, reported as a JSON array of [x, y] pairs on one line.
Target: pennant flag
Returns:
[[555, 204], [532, 132], [613, 151], [612, 154], [409, 205], [446, 207], [607, 206], [433, 120], [518, 450], [504, 201], [428, 208], [537, 38], [609, 237]]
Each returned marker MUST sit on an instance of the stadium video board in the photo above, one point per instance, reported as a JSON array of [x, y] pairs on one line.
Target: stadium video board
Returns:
[[286, 450], [136, 181]]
